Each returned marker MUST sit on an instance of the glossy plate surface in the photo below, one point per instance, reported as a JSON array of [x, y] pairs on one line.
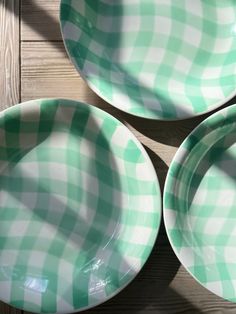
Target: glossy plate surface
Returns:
[[200, 203], [159, 59], [80, 206]]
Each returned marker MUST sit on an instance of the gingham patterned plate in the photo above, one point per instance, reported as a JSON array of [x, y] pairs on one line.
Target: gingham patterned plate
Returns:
[[80, 206], [159, 59], [200, 203]]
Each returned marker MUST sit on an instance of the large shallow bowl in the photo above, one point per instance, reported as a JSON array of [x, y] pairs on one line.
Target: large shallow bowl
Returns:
[[79, 206], [200, 203], [158, 59]]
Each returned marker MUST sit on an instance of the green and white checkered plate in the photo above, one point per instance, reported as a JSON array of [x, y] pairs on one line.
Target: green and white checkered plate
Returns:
[[200, 203], [158, 59], [80, 206]]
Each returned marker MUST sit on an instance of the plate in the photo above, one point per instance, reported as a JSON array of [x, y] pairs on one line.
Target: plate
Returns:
[[80, 206], [157, 59], [200, 203]]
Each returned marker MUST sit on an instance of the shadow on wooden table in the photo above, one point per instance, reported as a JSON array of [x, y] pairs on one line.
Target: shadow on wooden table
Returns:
[[39, 28]]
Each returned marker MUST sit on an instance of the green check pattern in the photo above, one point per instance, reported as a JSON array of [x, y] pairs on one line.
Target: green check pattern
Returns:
[[80, 206], [199, 203], [154, 59]]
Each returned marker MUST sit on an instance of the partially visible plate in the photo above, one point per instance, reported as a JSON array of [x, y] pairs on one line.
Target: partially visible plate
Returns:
[[157, 59], [80, 206], [200, 203]]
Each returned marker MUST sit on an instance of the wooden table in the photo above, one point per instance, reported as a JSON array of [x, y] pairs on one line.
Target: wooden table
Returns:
[[34, 64]]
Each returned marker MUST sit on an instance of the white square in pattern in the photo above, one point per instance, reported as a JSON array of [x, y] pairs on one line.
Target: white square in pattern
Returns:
[[230, 253], [176, 87], [209, 254], [95, 123], [47, 232], [87, 148], [89, 183], [37, 259], [192, 35], [183, 65], [155, 55], [143, 203], [144, 172], [6, 290], [71, 31], [226, 198], [214, 225], [120, 137], [130, 23], [64, 114], [58, 171], [130, 264], [215, 286], [194, 7], [163, 25], [139, 235], [30, 169], [19, 228], [223, 45], [170, 217], [187, 256], [97, 48], [147, 79], [56, 140], [121, 99], [117, 164], [26, 112], [200, 197], [8, 257], [226, 15], [90, 69], [211, 92], [211, 73]]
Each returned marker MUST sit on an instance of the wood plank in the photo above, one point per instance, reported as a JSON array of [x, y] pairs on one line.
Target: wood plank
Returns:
[[9, 53], [40, 20]]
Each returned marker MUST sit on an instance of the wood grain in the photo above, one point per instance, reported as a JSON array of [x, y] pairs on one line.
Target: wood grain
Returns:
[[9, 53], [40, 20]]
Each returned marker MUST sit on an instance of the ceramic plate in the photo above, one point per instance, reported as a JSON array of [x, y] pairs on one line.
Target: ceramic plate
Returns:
[[157, 59], [200, 203], [80, 206]]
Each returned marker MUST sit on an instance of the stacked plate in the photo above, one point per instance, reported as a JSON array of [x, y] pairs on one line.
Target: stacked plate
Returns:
[[80, 200]]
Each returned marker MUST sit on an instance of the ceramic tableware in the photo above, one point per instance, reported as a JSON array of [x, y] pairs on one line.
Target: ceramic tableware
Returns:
[[200, 203], [80, 206], [158, 59]]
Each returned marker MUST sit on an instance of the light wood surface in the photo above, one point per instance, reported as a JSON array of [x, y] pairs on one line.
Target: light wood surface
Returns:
[[9, 53], [163, 286]]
